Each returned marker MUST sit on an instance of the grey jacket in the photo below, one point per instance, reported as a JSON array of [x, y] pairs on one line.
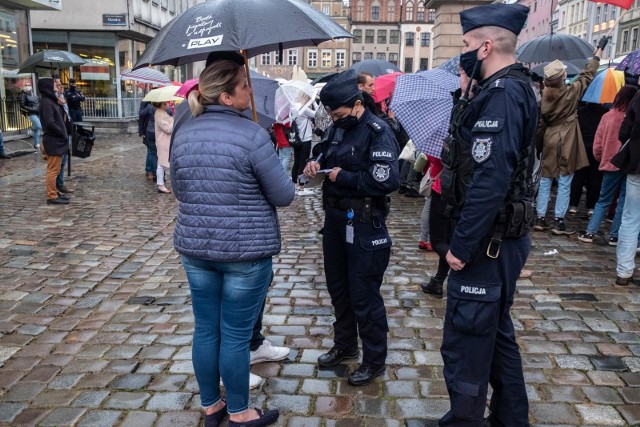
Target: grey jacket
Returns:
[[229, 181]]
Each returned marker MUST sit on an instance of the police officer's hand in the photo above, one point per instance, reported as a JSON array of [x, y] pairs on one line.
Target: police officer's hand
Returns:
[[454, 262], [333, 175], [311, 168]]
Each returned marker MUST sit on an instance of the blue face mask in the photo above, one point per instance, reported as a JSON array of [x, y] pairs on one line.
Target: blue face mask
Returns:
[[468, 61]]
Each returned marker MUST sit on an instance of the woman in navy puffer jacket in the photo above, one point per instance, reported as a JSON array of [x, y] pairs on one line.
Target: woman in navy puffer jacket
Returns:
[[229, 181]]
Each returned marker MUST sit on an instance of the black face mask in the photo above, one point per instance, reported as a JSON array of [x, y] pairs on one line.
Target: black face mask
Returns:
[[468, 61], [346, 122]]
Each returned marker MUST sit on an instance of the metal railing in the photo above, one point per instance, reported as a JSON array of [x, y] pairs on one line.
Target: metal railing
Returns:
[[95, 107], [11, 119]]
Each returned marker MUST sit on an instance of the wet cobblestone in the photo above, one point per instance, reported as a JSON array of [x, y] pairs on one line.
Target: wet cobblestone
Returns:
[[96, 323]]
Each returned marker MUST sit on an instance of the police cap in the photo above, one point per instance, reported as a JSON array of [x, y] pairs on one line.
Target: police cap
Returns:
[[509, 16], [341, 90]]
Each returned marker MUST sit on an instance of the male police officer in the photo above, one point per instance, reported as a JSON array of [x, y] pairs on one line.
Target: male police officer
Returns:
[[486, 182], [362, 154]]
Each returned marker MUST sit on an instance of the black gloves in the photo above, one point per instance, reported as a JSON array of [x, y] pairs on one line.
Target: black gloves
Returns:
[[318, 132], [602, 43]]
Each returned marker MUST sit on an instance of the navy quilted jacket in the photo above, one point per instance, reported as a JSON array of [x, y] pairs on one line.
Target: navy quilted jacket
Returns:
[[229, 181]]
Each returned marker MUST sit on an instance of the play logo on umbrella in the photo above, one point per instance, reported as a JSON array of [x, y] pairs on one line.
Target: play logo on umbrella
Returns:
[[204, 26]]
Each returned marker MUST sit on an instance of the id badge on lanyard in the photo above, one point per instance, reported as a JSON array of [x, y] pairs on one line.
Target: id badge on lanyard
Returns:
[[350, 233]]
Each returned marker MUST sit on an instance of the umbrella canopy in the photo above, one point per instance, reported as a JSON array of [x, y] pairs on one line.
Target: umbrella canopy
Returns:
[[146, 75], [574, 66], [375, 67], [630, 63], [604, 87], [554, 46], [233, 25], [422, 103], [48, 59], [383, 86], [451, 65], [163, 94], [291, 97]]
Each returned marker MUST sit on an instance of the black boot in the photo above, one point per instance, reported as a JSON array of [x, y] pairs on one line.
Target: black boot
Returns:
[[434, 287]]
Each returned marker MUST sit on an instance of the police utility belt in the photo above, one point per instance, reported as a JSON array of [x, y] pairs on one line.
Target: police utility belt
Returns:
[[514, 220], [365, 205]]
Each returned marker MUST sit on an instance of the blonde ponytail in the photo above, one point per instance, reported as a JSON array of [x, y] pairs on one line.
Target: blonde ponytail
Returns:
[[194, 103], [219, 77]]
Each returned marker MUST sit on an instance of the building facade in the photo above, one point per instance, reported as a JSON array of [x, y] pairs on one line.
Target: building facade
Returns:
[[540, 19], [416, 28], [628, 28], [110, 36], [376, 29]]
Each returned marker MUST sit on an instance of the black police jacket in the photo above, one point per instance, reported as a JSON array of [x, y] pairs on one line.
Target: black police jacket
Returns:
[[74, 97], [497, 127], [368, 156]]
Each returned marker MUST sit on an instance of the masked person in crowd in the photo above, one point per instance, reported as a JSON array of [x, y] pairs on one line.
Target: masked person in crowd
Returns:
[[29, 107], [361, 153], [74, 98]]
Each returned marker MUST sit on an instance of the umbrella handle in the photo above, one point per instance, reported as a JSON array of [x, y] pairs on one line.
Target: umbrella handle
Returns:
[[253, 101]]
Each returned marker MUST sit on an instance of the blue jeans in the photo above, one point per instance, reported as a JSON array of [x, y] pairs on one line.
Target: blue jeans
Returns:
[[1, 144], [629, 229], [610, 182], [37, 128], [562, 199], [65, 160], [152, 155], [226, 298], [284, 154]]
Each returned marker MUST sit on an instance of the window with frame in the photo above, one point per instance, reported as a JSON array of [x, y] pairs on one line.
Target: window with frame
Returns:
[[312, 58], [326, 9], [408, 65], [375, 13], [382, 36], [424, 64], [357, 36], [340, 57], [432, 15], [164, 4], [409, 12], [634, 39], [356, 57], [381, 56], [408, 38], [360, 11], [420, 13], [368, 36], [393, 58], [326, 58], [425, 39], [292, 57], [394, 36], [605, 9], [265, 58], [391, 11], [368, 55], [278, 57], [597, 14], [625, 40]]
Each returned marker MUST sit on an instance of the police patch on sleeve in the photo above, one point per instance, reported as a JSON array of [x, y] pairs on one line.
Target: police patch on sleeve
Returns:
[[384, 155], [381, 172], [481, 149]]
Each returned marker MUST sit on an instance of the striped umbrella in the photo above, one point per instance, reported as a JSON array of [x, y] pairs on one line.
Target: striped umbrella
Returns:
[[422, 102], [146, 75], [604, 87]]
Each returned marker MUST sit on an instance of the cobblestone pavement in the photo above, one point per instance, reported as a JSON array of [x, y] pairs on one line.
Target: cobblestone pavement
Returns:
[[95, 320]]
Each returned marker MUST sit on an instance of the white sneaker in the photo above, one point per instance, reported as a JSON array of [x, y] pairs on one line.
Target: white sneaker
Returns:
[[255, 381], [305, 192], [269, 353]]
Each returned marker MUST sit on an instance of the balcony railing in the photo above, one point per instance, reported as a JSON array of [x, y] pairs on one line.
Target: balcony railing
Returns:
[[108, 108]]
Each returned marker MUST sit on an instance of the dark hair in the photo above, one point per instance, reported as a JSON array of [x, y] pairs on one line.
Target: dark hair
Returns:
[[156, 104], [362, 78], [623, 98]]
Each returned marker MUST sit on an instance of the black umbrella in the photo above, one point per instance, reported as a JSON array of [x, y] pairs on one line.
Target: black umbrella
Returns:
[[253, 26], [554, 46], [48, 59], [323, 78], [375, 67]]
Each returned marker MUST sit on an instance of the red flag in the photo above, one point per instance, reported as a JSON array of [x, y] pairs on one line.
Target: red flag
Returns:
[[625, 4]]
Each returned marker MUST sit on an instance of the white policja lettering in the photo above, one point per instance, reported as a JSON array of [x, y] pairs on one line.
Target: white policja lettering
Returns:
[[473, 290]]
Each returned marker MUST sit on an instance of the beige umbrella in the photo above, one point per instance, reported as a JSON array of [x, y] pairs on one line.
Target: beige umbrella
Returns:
[[163, 94]]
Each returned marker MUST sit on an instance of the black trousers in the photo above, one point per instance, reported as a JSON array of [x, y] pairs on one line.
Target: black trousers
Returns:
[[76, 114], [479, 344], [300, 155], [589, 177], [354, 273], [439, 234]]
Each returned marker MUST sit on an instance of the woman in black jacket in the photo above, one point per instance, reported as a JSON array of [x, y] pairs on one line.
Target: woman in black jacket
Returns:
[[29, 107], [56, 137]]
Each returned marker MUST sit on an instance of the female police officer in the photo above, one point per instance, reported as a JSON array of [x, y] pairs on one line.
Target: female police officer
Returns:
[[361, 152]]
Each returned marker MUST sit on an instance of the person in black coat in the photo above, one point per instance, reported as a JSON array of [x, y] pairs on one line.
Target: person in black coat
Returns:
[[55, 140], [146, 129]]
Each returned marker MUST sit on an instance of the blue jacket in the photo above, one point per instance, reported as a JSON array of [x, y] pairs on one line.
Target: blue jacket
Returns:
[[229, 181]]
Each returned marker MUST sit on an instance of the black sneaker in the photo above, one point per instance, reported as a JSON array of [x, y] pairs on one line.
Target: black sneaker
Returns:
[[624, 281], [586, 237], [613, 241], [58, 201], [560, 228], [541, 224]]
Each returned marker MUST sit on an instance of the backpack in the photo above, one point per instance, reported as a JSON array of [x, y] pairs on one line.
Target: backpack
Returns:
[[293, 135]]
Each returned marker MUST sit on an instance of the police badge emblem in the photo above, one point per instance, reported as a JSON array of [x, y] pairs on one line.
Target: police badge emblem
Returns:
[[481, 149], [381, 172]]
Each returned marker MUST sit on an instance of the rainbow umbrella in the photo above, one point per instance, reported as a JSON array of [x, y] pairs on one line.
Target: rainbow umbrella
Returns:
[[604, 87]]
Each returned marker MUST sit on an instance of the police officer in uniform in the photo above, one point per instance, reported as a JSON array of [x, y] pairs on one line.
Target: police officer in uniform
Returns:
[[486, 182], [361, 153]]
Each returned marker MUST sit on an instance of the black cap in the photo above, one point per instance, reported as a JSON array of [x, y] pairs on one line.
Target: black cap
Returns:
[[509, 16], [340, 90], [228, 55], [72, 82]]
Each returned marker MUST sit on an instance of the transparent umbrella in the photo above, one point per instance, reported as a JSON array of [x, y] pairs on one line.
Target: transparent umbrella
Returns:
[[291, 98]]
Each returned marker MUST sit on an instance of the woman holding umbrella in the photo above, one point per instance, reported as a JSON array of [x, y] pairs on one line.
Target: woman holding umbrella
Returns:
[[228, 181]]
